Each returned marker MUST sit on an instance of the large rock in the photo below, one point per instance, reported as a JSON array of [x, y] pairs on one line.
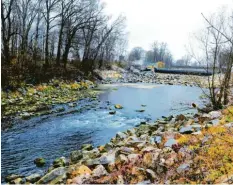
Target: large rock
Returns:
[[87, 147], [54, 176], [180, 117], [12, 177], [59, 162], [150, 160], [79, 175], [33, 178], [133, 158], [75, 156], [39, 162], [121, 135], [17, 181], [215, 114], [99, 171]]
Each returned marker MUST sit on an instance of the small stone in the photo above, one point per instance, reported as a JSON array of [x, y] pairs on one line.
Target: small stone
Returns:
[[60, 109], [170, 142], [72, 104], [141, 110], [39, 162], [186, 130], [183, 168], [112, 112], [126, 150], [214, 122], [158, 139], [118, 106], [163, 122], [25, 115]]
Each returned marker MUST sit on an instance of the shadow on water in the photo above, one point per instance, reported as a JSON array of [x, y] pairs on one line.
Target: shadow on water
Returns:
[[58, 136]]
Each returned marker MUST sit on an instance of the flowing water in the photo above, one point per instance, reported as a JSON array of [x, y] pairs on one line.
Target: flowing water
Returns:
[[55, 136]]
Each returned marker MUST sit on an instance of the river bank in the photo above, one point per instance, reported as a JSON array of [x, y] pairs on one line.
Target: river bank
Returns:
[[133, 75], [181, 149], [30, 101]]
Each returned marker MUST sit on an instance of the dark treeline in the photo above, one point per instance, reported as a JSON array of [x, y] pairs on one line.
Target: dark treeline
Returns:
[[39, 36]]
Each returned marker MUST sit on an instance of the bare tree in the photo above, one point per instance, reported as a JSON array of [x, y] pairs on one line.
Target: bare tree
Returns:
[[217, 56], [49, 7]]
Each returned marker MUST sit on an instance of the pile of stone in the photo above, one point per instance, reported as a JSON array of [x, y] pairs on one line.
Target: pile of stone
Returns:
[[148, 153]]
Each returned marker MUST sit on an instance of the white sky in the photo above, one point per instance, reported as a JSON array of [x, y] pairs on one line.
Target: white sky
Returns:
[[171, 21]]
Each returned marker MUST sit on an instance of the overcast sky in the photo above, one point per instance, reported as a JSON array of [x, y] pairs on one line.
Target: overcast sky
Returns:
[[171, 21]]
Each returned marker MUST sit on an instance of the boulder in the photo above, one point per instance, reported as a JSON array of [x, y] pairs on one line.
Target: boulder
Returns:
[[108, 158], [121, 135], [53, 176], [59, 162], [39, 162], [150, 160], [33, 178], [121, 160], [75, 156], [99, 171], [133, 158], [17, 181], [87, 147], [180, 117], [215, 114], [12, 177]]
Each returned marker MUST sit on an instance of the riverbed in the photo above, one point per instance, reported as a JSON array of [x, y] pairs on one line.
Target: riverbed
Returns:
[[90, 122]]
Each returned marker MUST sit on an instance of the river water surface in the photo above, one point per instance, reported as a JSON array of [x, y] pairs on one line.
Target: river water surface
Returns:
[[55, 136]]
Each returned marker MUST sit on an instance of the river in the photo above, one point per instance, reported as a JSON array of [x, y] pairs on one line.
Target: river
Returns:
[[55, 136]]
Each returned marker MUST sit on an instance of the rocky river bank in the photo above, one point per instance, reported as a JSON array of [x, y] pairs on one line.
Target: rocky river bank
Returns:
[[174, 149], [30, 101], [134, 75]]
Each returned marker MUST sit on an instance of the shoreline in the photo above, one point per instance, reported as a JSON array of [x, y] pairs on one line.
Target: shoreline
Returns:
[[154, 152]]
